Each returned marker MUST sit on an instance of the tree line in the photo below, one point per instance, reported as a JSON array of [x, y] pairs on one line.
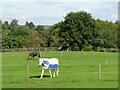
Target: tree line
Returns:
[[78, 31]]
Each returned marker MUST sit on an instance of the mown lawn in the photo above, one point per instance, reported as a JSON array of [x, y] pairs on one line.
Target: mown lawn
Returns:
[[77, 69]]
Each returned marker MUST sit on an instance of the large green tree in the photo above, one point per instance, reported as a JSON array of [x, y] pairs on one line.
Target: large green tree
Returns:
[[78, 31]]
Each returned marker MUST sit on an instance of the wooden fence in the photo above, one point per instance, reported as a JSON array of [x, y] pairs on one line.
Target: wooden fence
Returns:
[[108, 50], [54, 49], [30, 49]]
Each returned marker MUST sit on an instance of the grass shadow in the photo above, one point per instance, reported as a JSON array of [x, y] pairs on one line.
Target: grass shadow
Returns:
[[39, 76], [32, 59], [109, 80]]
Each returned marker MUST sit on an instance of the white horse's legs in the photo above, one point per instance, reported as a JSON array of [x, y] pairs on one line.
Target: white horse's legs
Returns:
[[42, 73], [57, 72], [54, 73], [50, 73]]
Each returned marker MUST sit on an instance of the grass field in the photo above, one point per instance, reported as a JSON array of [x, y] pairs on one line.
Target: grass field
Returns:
[[82, 73]]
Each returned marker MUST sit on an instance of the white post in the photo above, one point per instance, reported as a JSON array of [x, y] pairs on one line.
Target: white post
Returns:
[[98, 50], [99, 71], [117, 50], [106, 63], [84, 53], [27, 74], [104, 50], [5, 50]]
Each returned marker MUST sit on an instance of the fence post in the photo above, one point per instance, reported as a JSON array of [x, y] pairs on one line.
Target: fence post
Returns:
[[117, 50], [98, 50], [27, 73], [104, 50], [99, 71], [106, 63]]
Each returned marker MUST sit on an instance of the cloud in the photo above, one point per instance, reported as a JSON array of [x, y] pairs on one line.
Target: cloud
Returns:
[[114, 16], [48, 3], [59, 1], [8, 5], [106, 11], [42, 20], [69, 8], [53, 12]]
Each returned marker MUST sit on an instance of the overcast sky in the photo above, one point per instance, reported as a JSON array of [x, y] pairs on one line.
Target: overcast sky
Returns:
[[50, 12]]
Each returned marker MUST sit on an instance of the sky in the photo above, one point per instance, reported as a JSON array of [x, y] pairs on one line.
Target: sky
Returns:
[[49, 12]]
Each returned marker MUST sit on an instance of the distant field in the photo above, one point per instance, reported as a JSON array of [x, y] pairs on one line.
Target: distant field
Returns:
[[82, 72]]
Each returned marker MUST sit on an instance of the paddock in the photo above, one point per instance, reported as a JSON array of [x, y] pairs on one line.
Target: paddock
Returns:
[[77, 69]]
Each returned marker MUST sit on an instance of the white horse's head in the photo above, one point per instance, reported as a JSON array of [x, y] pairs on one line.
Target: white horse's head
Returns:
[[40, 61]]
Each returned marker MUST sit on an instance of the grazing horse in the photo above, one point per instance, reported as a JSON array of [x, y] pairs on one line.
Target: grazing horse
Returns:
[[52, 63], [33, 54]]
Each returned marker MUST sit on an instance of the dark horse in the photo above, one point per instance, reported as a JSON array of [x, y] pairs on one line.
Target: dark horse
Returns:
[[33, 54], [63, 48]]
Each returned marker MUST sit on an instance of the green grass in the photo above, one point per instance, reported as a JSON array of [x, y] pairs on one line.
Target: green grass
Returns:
[[82, 72]]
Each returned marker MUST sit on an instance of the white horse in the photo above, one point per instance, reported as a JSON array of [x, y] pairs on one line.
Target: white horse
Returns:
[[52, 63]]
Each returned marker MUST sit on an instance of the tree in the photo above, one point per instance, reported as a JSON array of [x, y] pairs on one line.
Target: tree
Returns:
[[14, 25], [78, 31], [22, 33], [5, 25], [0, 24], [30, 25], [53, 35], [33, 40], [24, 27], [109, 33], [0, 33], [47, 37], [117, 23], [1, 27], [40, 28], [13, 42]]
